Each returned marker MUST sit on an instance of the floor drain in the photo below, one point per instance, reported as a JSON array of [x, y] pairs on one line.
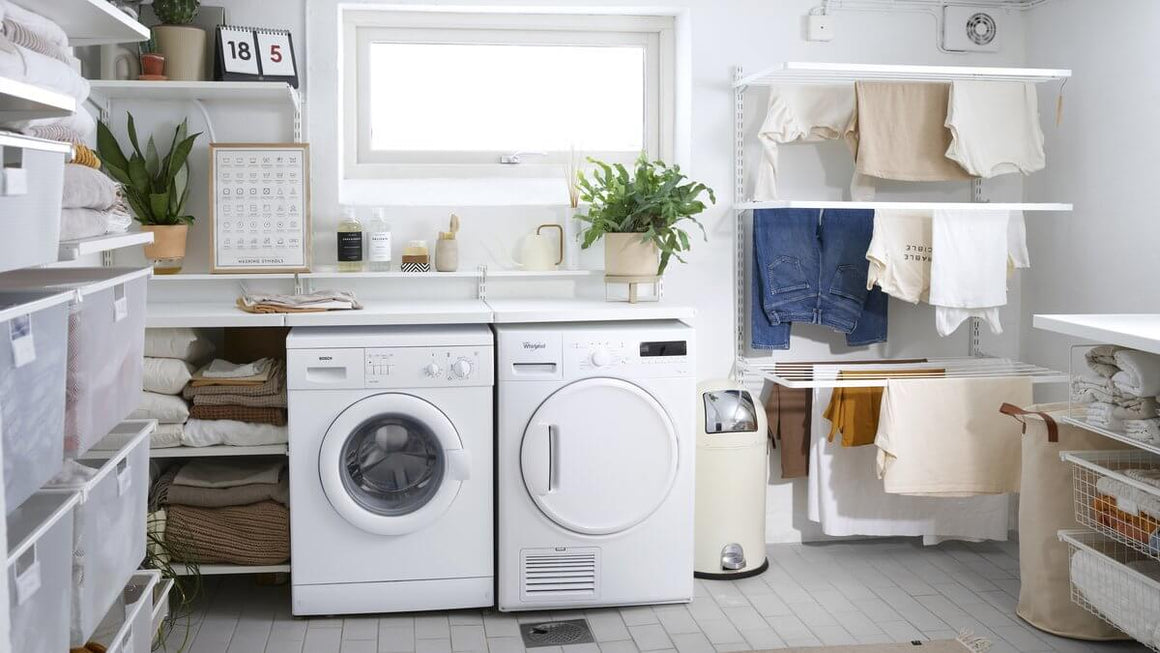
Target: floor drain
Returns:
[[556, 633]]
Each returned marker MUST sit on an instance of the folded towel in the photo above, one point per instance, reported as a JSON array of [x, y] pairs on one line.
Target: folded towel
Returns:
[[257, 534], [223, 369], [228, 473], [89, 223], [258, 401], [1146, 430], [1138, 408], [46, 29], [22, 35], [1149, 476], [1137, 528], [315, 302], [1102, 390], [166, 436], [180, 342], [250, 414], [1107, 586], [274, 386], [995, 128], [1102, 360], [47, 72], [80, 126], [210, 432], [166, 409], [167, 376], [239, 495], [1139, 373], [86, 188], [56, 132], [1129, 498]]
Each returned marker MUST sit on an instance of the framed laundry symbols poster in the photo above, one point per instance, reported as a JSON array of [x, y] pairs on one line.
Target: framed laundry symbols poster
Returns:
[[260, 207]]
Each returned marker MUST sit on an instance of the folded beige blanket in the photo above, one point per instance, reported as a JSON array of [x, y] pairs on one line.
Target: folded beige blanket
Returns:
[[260, 401], [275, 385], [88, 188], [251, 414], [241, 495], [902, 132], [315, 302], [257, 534], [228, 473]]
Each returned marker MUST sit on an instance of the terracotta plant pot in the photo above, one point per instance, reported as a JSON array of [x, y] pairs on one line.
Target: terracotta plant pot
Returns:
[[168, 248], [153, 65], [184, 50], [626, 255]]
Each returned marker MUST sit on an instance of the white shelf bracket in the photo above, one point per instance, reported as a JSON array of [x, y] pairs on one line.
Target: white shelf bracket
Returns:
[[481, 282], [739, 254]]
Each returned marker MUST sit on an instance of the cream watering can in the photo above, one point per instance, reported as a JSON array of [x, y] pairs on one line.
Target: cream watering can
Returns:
[[538, 252]]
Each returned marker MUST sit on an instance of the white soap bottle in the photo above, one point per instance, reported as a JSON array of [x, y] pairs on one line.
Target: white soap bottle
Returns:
[[379, 241]]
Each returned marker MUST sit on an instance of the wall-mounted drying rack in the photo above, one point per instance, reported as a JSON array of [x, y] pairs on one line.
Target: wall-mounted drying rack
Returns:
[[801, 375], [807, 375]]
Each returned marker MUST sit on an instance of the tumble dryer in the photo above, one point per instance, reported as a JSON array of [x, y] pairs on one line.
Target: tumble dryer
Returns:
[[595, 445], [390, 468]]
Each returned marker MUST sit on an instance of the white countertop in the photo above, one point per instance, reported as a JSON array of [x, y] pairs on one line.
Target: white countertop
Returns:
[[1137, 330], [513, 311]]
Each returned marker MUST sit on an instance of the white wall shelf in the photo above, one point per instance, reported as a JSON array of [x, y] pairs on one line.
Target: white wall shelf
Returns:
[[20, 101], [400, 312], [225, 570], [104, 91], [1136, 331], [70, 250], [804, 375], [509, 311], [813, 72], [324, 272], [906, 206], [231, 276], [206, 314], [89, 22], [218, 451], [542, 274]]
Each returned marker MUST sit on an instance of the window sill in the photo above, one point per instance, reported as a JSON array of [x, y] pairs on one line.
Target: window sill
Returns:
[[455, 192]]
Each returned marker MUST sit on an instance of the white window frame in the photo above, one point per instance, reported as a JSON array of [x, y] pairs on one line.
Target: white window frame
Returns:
[[362, 27]]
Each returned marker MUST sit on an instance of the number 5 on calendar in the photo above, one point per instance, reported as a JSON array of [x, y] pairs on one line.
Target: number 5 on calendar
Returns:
[[276, 53]]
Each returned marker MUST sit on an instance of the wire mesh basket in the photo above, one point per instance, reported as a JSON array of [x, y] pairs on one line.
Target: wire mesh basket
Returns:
[[1117, 493], [1116, 583]]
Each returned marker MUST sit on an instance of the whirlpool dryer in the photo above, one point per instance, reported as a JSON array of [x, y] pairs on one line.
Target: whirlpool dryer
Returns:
[[390, 468], [595, 448]]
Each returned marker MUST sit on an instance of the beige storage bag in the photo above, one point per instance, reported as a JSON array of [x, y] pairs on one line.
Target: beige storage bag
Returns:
[[1046, 506]]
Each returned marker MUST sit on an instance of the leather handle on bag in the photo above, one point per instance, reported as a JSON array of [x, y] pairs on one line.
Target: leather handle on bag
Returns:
[[1019, 414]]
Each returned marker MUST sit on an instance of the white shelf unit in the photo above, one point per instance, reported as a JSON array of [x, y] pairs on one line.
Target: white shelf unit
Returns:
[[89, 22], [21, 101], [1134, 330], [218, 451], [324, 272], [225, 570], [205, 315], [71, 250], [795, 72], [514, 311]]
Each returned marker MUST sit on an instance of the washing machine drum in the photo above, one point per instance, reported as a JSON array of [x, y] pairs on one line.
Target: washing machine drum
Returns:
[[392, 464]]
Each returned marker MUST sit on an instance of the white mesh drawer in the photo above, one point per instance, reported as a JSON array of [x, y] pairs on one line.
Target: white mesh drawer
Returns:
[[39, 574], [1117, 493], [1116, 583], [128, 625], [30, 220]]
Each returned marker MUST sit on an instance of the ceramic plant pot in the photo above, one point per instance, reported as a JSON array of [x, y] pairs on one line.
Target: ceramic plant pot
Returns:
[[168, 248], [184, 50], [626, 255], [152, 66]]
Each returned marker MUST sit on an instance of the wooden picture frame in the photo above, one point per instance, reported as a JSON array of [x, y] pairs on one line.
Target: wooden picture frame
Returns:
[[247, 234]]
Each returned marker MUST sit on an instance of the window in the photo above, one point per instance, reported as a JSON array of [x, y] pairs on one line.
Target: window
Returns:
[[452, 94]]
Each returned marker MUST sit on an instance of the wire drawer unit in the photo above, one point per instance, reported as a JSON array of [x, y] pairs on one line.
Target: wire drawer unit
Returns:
[[1116, 583], [1117, 494]]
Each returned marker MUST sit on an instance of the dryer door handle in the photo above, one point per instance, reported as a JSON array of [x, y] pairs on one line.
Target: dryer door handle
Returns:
[[459, 464], [541, 465]]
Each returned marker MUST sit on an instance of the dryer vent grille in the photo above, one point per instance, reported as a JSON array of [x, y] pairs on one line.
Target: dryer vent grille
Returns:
[[559, 573]]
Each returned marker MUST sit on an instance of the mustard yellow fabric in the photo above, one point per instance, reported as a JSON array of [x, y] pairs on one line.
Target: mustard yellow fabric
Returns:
[[86, 157], [853, 412]]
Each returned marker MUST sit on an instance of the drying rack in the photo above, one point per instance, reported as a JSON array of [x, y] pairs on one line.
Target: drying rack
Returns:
[[825, 375], [802, 375]]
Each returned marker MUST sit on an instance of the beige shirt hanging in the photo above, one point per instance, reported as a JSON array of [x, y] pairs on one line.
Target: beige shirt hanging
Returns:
[[947, 438], [900, 254], [902, 133]]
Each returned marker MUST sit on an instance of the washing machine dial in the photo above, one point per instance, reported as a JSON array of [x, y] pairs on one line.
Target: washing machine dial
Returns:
[[600, 358], [461, 368], [433, 370]]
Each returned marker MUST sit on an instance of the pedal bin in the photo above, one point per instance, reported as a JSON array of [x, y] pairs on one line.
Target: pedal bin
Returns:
[[732, 462]]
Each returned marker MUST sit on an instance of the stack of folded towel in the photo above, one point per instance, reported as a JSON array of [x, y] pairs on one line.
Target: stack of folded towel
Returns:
[[232, 512], [91, 204], [1122, 391], [316, 302], [170, 357], [240, 405], [1129, 510]]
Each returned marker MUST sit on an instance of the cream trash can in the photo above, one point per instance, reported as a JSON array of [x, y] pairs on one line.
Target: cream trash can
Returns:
[[732, 461]]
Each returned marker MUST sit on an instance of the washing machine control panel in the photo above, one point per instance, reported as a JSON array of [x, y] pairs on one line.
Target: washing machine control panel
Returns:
[[417, 367]]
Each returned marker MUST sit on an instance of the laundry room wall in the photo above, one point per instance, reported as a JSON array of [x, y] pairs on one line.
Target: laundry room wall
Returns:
[[1101, 258], [751, 33]]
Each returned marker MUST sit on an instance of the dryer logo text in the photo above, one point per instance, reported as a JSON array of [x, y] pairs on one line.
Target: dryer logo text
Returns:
[[533, 346]]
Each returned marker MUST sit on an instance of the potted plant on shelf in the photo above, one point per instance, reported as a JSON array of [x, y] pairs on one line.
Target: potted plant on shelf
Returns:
[[639, 215], [182, 44], [156, 189]]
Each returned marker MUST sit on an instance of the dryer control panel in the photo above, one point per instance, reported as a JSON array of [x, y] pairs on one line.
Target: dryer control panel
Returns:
[[543, 352]]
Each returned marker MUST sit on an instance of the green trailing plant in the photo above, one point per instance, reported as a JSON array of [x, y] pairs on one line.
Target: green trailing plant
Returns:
[[652, 201], [155, 187], [176, 12], [187, 586]]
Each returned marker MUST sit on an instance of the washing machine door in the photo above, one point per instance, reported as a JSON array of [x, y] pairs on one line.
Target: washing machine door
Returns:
[[599, 456], [392, 464]]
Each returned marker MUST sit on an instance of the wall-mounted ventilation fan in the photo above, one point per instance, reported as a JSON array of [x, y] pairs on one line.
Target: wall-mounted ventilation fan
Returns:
[[971, 29]]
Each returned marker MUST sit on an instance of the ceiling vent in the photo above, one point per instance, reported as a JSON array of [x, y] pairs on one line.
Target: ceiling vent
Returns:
[[972, 29]]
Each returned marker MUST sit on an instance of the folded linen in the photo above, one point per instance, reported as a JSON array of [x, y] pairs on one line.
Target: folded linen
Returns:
[[82, 124], [89, 223], [35, 68], [180, 342], [210, 432], [274, 386], [1134, 408], [56, 132], [1103, 584], [84, 156], [1129, 498], [1149, 476], [166, 436], [228, 473], [167, 376], [250, 414], [166, 409], [257, 401], [995, 128], [806, 113], [1102, 360], [257, 534], [1138, 528], [1145, 430], [46, 29], [1139, 373], [1105, 422], [223, 369], [1102, 390], [24, 36], [240, 495], [86, 188], [315, 302]]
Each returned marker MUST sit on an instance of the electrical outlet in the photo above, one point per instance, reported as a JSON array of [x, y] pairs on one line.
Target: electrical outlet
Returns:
[[14, 181], [821, 27]]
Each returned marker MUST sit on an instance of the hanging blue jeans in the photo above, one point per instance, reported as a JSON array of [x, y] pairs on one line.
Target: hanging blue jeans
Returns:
[[810, 268]]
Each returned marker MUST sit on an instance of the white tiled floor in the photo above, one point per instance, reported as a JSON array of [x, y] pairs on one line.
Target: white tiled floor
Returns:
[[812, 595]]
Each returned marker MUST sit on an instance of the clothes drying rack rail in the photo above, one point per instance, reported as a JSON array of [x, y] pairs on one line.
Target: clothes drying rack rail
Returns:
[[807, 375], [795, 72]]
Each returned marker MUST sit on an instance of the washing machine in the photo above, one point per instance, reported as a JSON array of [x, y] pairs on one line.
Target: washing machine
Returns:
[[595, 444], [391, 480]]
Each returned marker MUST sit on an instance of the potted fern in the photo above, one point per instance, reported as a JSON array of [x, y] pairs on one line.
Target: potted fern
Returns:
[[639, 215], [182, 44], [155, 188]]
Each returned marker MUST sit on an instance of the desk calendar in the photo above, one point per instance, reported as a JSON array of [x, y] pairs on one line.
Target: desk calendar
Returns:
[[260, 207]]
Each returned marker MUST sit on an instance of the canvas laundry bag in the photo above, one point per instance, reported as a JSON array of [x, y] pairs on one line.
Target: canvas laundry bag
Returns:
[[1046, 506]]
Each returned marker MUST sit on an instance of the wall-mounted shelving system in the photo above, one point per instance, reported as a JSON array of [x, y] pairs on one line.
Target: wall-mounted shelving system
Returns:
[[21, 101], [794, 72], [89, 22]]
